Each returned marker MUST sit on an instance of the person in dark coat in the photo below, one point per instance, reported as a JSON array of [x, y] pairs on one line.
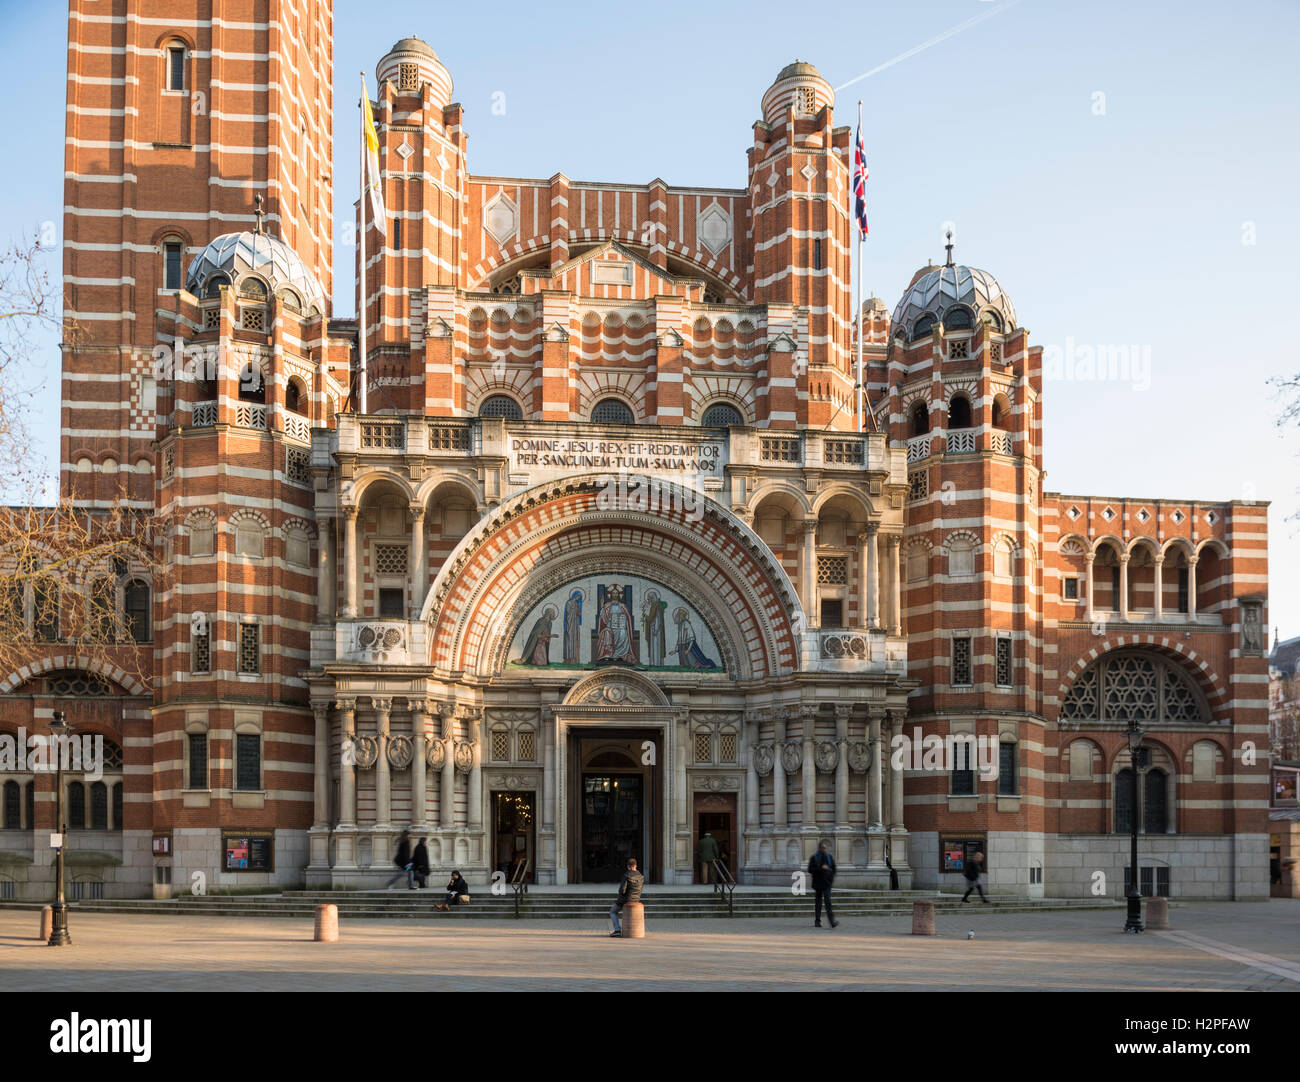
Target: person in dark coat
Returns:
[[457, 888], [629, 890], [420, 860], [972, 871], [402, 859], [821, 870]]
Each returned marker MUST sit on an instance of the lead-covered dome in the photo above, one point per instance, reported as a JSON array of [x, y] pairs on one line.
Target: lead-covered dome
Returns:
[[410, 65], [798, 86], [236, 257], [955, 296]]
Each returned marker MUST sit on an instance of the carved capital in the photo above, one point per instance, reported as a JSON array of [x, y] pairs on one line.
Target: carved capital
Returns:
[[382, 706]]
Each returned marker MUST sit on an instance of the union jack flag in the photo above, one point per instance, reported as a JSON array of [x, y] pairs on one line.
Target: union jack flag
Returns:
[[860, 183]]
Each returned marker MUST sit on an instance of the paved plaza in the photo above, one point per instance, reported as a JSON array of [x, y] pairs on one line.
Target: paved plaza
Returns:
[[1213, 947]]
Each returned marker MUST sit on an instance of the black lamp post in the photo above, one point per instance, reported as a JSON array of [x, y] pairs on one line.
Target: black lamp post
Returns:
[[59, 928], [1134, 921]]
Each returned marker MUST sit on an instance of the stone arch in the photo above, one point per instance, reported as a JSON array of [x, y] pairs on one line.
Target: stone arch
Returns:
[[356, 492], [119, 676], [489, 568], [615, 685], [1197, 669], [845, 492]]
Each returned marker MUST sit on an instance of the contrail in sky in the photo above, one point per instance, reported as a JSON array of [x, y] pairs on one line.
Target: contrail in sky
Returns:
[[926, 44]]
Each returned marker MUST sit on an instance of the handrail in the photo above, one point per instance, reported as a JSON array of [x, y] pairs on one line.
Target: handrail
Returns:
[[726, 882], [519, 882]]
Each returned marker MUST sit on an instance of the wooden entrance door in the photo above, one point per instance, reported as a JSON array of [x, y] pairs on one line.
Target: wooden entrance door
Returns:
[[715, 813]]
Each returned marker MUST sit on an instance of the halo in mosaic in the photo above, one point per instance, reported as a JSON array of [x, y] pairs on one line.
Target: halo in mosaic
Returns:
[[939, 289], [238, 255]]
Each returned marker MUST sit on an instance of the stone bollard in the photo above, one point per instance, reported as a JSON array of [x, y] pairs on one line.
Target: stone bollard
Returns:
[[47, 923], [327, 924], [633, 920], [923, 918], [1157, 915]]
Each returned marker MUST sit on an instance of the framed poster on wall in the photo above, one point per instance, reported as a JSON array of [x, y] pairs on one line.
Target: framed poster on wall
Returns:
[[248, 850]]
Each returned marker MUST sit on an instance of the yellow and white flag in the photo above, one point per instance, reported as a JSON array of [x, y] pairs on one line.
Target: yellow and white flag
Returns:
[[372, 182]]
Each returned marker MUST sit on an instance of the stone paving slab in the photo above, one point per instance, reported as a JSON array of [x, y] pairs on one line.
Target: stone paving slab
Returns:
[[1040, 952]]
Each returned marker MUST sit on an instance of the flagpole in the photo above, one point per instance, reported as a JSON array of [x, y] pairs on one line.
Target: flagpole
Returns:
[[858, 229], [361, 304]]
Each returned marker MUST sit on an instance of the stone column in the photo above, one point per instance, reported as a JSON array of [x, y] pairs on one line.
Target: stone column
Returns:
[[548, 769], [419, 728], [752, 814], [380, 849], [874, 815], [809, 717], [867, 571], [1191, 588], [475, 795], [895, 591], [419, 584], [1123, 585], [842, 712], [873, 574], [1088, 560], [895, 776], [345, 853], [325, 586], [319, 836], [350, 562], [779, 814], [681, 805], [447, 798], [808, 555], [1160, 589]]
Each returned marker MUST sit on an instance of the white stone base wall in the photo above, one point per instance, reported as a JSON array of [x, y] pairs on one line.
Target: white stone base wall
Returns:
[[1200, 866]]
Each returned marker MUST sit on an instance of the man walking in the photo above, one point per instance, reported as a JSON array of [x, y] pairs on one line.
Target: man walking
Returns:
[[402, 859], [972, 873], [821, 870], [629, 890], [420, 864], [708, 853]]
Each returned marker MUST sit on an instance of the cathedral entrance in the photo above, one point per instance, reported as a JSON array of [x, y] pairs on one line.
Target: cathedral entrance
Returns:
[[617, 795]]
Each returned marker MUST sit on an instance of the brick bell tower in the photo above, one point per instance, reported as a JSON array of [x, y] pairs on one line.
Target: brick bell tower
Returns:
[[799, 180], [176, 122], [414, 271]]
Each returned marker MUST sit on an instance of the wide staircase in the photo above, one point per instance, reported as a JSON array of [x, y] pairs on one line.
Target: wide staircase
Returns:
[[574, 903]]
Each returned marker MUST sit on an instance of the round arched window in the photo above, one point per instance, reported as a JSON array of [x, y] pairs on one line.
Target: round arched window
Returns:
[[959, 415], [610, 411], [501, 405], [721, 415], [923, 326], [215, 283], [957, 318]]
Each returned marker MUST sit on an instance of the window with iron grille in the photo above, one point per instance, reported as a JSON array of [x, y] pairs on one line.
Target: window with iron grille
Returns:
[[112, 756], [250, 649], [959, 350], [383, 435], [297, 468], [408, 77], [961, 666], [448, 438], [253, 319], [806, 100], [201, 653], [843, 453], [501, 405], [1151, 881], [1008, 780], [610, 411], [995, 352], [390, 559], [248, 761], [86, 890], [1003, 662], [527, 745], [832, 612], [500, 744], [780, 449], [198, 754], [176, 68], [832, 570], [721, 415], [727, 750], [918, 485], [8, 890], [703, 746], [212, 318]]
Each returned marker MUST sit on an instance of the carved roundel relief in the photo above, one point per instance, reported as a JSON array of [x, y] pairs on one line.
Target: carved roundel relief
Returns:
[[366, 749], [764, 760], [792, 757], [859, 756], [435, 754], [400, 751], [827, 756], [464, 758]]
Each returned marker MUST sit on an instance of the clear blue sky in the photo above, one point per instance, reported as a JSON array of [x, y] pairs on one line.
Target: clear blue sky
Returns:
[[1120, 228]]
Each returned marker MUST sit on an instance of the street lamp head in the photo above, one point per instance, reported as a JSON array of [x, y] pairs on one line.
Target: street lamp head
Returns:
[[59, 723], [1135, 735]]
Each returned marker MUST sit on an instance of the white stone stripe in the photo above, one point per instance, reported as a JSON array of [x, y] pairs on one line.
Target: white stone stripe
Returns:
[[1267, 962]]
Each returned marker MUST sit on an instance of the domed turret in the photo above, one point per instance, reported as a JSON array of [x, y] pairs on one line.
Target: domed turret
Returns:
[[799, 86], [234, 257], [412, 63], [956, 296]]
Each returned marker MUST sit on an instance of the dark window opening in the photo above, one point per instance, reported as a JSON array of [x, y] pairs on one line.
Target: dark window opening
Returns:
[[13, 806], [501, 405], [959, 412], [1155, 819], [817, 255], [1124, 801], [963, 775], [117, 806], [1182, 589], [137, 612], [610, 411], [76, 817], [957, 318], [923, 326], [391, 603], [832, 612], [98, 806], [198, 760], [172, 264], [721, 415], [1007, 780], [920, 420], [176, 68], [248, 761]]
